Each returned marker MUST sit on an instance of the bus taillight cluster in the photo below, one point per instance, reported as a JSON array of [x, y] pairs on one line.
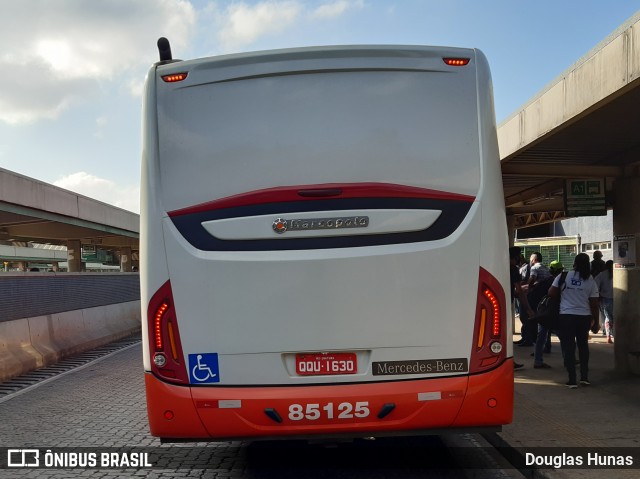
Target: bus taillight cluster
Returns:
[[166, 351], [489, 346]]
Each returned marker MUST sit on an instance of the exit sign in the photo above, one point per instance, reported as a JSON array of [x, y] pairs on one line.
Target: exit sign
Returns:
[[585, 197]]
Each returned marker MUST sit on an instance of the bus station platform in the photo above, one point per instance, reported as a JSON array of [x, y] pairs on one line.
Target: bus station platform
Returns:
[[551, 419]]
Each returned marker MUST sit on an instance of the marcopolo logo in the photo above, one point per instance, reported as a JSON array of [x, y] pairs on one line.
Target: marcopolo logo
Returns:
[[281, 225]]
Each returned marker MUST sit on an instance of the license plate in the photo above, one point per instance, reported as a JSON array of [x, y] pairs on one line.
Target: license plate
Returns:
[[311, 364]]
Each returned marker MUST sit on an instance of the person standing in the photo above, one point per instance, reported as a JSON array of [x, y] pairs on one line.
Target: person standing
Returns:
[[516, 289], [543, 340], [597, 265], [578, 310], [538, 273], [604, 280], [520, 295]]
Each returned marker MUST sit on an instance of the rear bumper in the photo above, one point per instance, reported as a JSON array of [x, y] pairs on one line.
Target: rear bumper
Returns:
[[177, 412]]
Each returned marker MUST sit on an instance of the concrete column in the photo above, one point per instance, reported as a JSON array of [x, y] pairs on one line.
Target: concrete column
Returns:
[[511, 229], [626, 282], [74, 256], [125, 260]]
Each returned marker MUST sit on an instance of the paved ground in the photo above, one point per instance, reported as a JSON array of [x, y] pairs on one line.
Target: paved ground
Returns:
[[102, 406], [591, 418]]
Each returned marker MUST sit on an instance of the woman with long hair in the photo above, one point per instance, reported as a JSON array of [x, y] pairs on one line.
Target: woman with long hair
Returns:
[[578, 310]]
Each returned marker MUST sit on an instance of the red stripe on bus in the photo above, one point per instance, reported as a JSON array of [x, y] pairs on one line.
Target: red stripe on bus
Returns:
[[283, 194]]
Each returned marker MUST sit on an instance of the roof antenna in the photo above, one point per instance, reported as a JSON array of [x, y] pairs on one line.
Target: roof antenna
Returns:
[[164, 49]]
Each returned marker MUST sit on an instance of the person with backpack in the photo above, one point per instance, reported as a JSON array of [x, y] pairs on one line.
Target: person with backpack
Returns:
[[578, 311], [543, 340], [534, 274]]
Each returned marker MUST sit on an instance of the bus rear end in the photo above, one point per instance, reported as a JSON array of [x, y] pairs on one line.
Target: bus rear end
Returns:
[[324, 245]]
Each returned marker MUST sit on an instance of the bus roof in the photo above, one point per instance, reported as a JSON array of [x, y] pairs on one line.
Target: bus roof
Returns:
[[317, 52]]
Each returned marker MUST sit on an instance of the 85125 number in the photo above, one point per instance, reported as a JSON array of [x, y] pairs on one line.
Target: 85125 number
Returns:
[[343, 410]]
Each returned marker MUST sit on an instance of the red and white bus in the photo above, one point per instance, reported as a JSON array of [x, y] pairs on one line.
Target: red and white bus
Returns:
[[324, 245]]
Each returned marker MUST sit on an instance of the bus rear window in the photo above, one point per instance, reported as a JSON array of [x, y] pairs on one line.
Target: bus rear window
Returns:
[[341, 127]]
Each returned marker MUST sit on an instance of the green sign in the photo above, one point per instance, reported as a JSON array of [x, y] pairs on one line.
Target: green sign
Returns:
[[92, 254], [585, 197], [89, 253]]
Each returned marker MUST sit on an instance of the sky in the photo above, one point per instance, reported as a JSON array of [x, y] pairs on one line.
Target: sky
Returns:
[[73, 70]]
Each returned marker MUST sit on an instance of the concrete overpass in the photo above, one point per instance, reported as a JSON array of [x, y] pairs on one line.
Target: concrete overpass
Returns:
[[32, 210], [584, 124], [47, 316]]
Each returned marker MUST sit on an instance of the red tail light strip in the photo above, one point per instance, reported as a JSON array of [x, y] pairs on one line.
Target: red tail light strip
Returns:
[[496, 312], [157, 326], [313, 192]]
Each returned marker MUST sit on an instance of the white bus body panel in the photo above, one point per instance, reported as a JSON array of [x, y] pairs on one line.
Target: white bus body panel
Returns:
[[343, 115], [377, 301]]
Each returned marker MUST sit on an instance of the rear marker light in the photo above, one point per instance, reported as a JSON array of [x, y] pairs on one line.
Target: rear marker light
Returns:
[[456, 62], [174, 77], [157, 325], [169, 415], [492, 402]]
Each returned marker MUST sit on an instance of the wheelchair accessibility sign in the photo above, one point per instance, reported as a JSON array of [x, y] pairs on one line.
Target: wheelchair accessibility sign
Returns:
[[203, 368]]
